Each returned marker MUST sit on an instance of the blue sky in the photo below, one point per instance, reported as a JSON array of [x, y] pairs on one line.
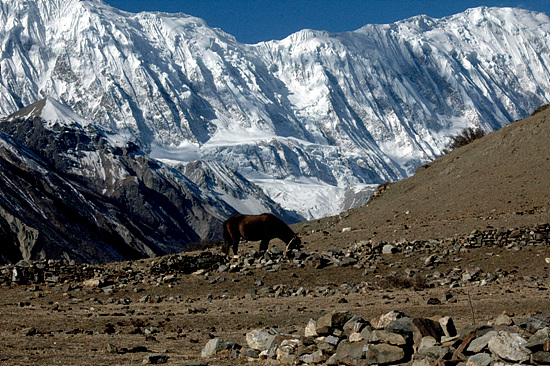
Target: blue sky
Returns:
[[252, 21]]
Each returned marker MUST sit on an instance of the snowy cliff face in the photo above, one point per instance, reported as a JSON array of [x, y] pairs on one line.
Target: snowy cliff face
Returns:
[[304, 118]]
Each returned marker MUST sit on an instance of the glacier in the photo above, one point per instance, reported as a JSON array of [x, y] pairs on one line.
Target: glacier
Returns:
[[313, 119]]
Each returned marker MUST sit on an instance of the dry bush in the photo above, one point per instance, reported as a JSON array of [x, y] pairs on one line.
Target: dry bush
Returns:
[[417, 283], [463, 138]]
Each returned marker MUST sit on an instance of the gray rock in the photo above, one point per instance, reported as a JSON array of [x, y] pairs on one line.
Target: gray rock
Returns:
[[509, 346], [540, 338], [382, 354], [383, 336], [541, 357], [217, 345], [261, 339], [479, 344], [334, 320], [314, 358], [155, 359], [480, 359], [389, 249]]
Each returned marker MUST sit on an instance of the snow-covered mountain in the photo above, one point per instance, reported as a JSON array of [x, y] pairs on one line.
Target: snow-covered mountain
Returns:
[[309, 118], [68, 192]]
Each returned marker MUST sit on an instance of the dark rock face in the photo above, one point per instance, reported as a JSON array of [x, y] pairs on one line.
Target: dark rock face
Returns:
[[68, 193]]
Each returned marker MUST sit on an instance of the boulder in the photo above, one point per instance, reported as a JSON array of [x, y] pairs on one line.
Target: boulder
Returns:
[[480, 359], [509, 346], [382, 354], [216, 345], [334, 320], [287, 352], [261, 339], [311, 329], [383, 336], [384, 320], [541, 339]]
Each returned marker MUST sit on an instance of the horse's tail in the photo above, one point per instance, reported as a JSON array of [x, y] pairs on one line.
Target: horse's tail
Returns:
[[227, 239]]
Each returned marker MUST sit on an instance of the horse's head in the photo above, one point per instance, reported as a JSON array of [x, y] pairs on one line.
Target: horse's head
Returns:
[[294, 243]]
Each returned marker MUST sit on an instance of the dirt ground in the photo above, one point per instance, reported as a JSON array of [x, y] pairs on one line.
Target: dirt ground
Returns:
[[70, 324]]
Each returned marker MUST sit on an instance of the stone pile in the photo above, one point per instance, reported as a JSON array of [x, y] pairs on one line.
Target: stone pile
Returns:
[[341, 338], [27, 272]]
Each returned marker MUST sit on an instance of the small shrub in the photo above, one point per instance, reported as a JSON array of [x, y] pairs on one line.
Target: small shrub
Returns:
[[463, 138], [417, 282]]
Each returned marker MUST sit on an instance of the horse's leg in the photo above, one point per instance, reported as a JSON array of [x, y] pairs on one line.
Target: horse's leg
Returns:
[[264, 245], [236, 241]]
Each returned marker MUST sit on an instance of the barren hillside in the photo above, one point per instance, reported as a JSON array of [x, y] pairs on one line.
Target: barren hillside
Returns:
[[501, 180]]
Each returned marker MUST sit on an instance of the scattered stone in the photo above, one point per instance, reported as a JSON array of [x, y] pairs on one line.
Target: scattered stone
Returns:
[[389, 249], [155, 359]]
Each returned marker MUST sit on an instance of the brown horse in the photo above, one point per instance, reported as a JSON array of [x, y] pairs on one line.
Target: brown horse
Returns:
[[262, 227]]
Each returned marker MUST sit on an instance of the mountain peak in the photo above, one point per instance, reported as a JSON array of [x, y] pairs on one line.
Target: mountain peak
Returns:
[[50, 111]]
